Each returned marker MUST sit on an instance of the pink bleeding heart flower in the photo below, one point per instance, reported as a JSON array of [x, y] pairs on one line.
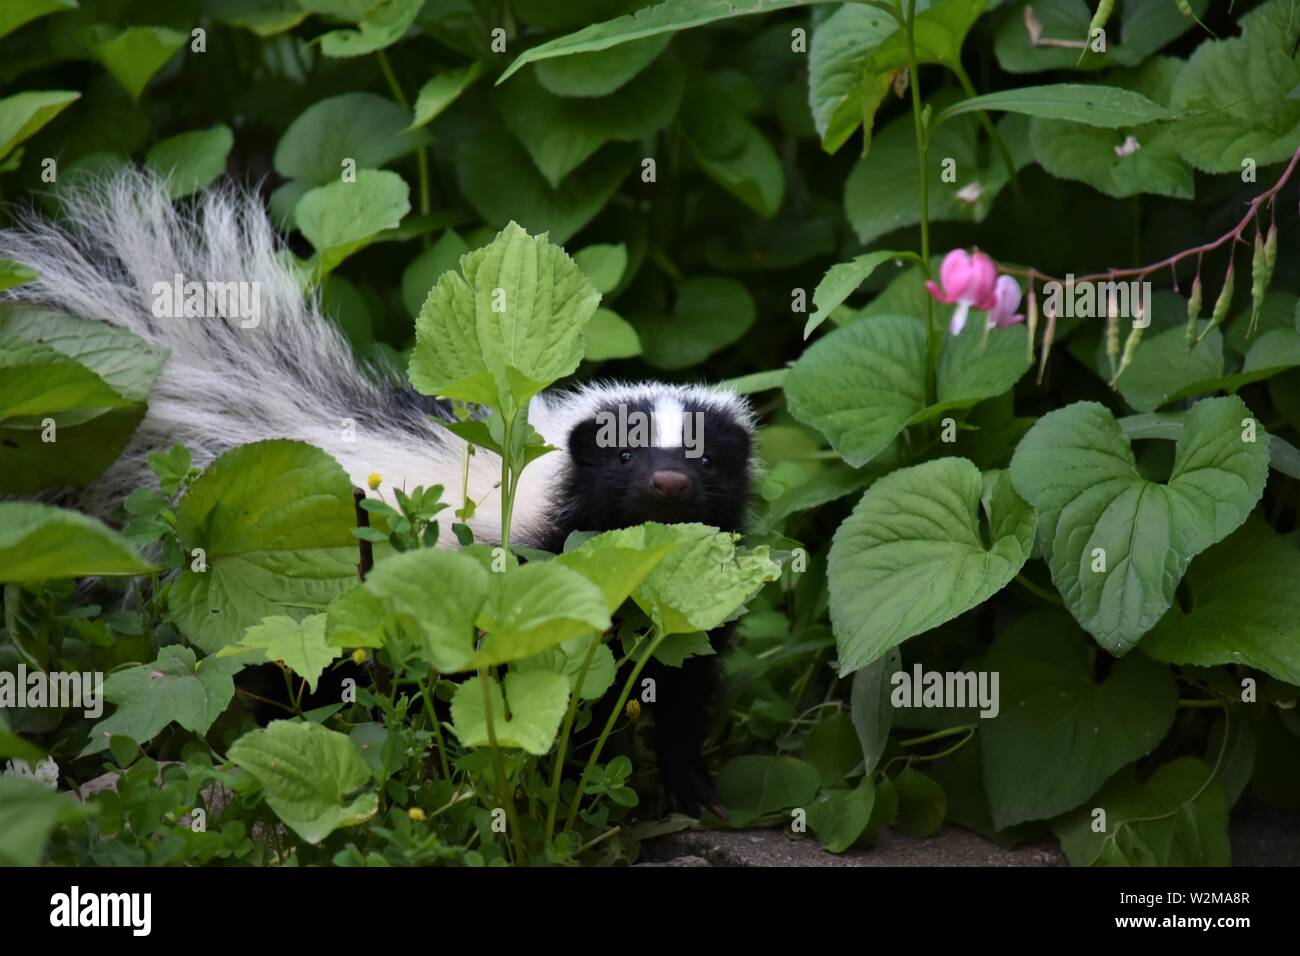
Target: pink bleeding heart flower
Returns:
[[1006, 295], [966, 280]]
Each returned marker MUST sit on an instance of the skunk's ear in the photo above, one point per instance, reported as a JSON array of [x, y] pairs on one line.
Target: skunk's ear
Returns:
[[583, 449]]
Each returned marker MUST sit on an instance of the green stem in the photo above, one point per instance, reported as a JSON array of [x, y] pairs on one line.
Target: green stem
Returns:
[[609, 726], [931, 339], [499, 768], [421, 156], [991, 130], [569, 717], [937, 735], [427, 695], [1197, 704], [1035, 590]]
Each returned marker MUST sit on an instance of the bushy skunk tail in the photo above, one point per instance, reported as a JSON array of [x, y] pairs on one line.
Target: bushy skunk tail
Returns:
[[282, 370]]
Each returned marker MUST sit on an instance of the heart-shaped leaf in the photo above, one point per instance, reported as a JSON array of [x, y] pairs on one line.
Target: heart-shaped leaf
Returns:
[[537, 698], [1117, 544], [1059, 735], [864, 383], [913, 554]]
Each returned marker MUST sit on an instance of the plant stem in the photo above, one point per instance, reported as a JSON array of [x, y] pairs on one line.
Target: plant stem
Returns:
[[427, 694], [937, 735], [422, 155], [914, 83], [1013, 177], [1039, 592], [499, 767], [609, 726], [554, 802]]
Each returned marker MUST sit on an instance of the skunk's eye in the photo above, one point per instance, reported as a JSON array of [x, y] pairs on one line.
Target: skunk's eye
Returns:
[[705, 461], [625, 457]]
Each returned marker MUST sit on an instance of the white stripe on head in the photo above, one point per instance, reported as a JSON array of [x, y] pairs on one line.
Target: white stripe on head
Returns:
[[667, 421]]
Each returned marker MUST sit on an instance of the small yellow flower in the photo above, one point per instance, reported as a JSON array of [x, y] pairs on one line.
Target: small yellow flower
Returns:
[[374, 480], [416, 815], [359, 656], [633, 709]]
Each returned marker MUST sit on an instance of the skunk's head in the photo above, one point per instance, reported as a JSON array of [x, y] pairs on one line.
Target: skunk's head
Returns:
[[655, 453]]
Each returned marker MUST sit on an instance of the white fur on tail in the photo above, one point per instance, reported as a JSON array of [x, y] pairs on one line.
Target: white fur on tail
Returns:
[[292, 375]]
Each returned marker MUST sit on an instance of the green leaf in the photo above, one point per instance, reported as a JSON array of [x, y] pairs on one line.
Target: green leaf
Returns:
[[752, 786], [699, 585], [192, 160], [504, 185], [839, 817], [263, 17], [40, 542], [1059, 735], [343, 217], [310, 776], [1172, 819], [383, 25], [567, 659], [666, 17], [609, 336], [355, 619], [562, 133], [534, 607], [832, 747], [1163, 367], [1144, 27], [274, 520], [362, 127], [518, 303], [537, 698], [840, 282], [441, 91], [18, 12], [15, 274], [601, 72], [913, 554], [922, 804], [841, 90], [299, 645], [23, 114], [882, 192], [1244, 607], [862, 384], [1232, 96], [1125, 161], [730, 149], [1109, 107], [1076, 467], [174, 688], [435, 596], [604, 265], [709, 313], [618, 561], [870, 708], [135, 54], [29, 812]]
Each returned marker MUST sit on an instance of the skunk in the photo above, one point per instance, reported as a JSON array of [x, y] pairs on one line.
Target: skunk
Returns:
[[288, 372]]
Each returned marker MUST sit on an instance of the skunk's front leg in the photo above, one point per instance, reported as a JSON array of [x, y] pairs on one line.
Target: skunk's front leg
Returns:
[[683, 709]]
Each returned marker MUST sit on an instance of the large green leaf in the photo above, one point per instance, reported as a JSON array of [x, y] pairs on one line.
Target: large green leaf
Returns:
[[862, 384], [383, 25], [1122, 161], [192, 160], [299, 645], [39, 542], [913, 554], [518, 303], [1109, 107], [537, 699], [838, 817], [174, 688], [346, 216], [601, 72], [274, 520], [1244, 607], [23, 114], [841, 89], [310, 775], [1234, 97], [709, 313], [561, 133], [666, 17], [435, 596], [1177, 817], [839, 283], [18, 12], [441, 91], [752, 786], [1076, 467], [504, 185], [362, 127], [29, 812], [135, 54], [729, 149], [535, 607], [1059, 734], [618, 561]]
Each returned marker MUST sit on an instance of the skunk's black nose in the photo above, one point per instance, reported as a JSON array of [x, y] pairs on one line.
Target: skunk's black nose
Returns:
[[670, 484]]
